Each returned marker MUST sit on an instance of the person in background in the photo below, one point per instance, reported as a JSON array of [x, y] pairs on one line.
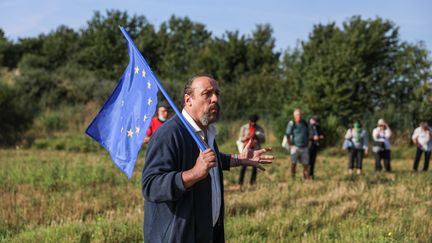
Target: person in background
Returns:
[[422, 138], [381, 147], [297, 133], [254, 133], [359, 140], [157, 121], [315, 137]]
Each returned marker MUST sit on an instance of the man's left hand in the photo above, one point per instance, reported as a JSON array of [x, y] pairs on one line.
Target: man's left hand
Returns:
[[255, 158]]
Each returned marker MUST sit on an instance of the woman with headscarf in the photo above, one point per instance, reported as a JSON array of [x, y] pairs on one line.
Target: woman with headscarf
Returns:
[[359, 140], [381, 146]]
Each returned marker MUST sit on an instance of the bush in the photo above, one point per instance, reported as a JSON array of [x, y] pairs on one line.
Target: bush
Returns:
[[15, 117], [332, 131]]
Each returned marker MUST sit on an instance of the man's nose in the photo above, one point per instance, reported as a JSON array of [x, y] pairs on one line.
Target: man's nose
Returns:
[[214, 98]]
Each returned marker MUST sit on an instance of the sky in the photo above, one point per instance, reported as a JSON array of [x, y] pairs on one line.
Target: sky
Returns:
[[292, 20]]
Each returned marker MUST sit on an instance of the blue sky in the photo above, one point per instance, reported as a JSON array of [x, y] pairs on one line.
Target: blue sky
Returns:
[[291, 20]]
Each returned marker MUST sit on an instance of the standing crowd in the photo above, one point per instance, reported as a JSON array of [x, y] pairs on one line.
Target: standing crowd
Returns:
[[302, 139]]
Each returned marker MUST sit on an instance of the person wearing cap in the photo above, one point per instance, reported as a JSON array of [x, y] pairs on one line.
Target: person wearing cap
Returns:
[[255, 134], [157, 121], [359, 140], [422, 138], [381, 147], [315, 136]]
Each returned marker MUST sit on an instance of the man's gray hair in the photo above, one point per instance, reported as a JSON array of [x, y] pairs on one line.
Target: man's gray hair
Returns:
[[297, 110]]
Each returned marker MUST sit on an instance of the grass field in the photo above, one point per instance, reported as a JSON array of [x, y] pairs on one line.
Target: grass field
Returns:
[[57, 196]]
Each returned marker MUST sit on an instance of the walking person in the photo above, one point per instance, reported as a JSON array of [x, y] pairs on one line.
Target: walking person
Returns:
[[381, 147], [422, 138], [297, 133], [315, 137], [255, 134], [359, 140]]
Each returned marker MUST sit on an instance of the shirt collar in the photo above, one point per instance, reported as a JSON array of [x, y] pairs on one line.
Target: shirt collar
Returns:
[[211, 131]]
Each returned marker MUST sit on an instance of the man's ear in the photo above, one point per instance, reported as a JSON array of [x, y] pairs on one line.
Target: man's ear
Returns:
[[187, 100]]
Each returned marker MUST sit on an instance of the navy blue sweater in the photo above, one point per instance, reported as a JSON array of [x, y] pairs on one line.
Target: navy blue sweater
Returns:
[[171, 212]]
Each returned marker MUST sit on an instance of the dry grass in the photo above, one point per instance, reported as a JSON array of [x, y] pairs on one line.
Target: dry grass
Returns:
[[81, 197]]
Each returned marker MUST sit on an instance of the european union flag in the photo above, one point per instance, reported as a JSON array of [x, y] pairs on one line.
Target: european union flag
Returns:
[[122, 123]]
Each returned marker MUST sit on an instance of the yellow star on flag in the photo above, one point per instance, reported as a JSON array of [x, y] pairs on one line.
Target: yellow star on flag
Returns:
[[136, 70], [145, 118], [148, 85], [137, 129], [130, 133], [149, 101], [143, 73]]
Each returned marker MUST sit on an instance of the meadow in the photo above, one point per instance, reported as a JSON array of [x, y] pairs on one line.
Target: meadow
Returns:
[[54, 195], [57, 185]]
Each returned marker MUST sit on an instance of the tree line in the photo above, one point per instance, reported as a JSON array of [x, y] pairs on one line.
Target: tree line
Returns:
[[358, 70]]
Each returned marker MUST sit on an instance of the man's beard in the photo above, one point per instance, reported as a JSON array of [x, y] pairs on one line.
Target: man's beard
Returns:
[[208, 117]]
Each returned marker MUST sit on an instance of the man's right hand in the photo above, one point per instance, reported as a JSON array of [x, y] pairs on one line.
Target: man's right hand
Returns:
[[205, 161]]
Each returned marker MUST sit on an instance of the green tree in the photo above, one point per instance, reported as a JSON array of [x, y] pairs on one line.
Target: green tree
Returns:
[[351, 70], [102, 47], [9, 52], [261, 55], [60, 47], [182, 41]]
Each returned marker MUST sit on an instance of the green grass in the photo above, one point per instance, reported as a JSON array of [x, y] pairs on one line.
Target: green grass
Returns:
[[63, 196]]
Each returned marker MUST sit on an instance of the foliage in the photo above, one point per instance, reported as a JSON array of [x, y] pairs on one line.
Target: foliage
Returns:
[[358, 70], [361, 67], [15, 117]]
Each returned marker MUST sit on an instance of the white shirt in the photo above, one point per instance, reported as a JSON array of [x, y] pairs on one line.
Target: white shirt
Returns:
[[423, 138], [214, 172], [380, 135]]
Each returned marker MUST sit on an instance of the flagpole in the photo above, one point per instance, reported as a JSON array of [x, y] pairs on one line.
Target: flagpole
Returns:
[[197, 139]]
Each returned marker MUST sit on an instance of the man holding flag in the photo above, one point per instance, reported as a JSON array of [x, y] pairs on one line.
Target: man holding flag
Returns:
[[182, 186], [182, 178]]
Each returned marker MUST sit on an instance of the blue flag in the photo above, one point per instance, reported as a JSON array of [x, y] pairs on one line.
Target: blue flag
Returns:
[[121, 125]]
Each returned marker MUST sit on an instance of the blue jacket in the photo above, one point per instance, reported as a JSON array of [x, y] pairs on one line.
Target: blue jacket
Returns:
[[171, 212]]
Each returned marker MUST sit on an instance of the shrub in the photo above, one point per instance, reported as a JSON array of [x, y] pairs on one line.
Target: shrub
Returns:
[[15, 118]]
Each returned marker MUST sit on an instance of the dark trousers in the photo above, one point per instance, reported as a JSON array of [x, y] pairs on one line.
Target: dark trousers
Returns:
[[218, 231], [242, 174], [417, 159], [313, 150], [355, 159], [382, 155]]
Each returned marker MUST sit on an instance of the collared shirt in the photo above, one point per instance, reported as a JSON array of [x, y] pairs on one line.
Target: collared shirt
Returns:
[[423, 138], [214, 172]]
